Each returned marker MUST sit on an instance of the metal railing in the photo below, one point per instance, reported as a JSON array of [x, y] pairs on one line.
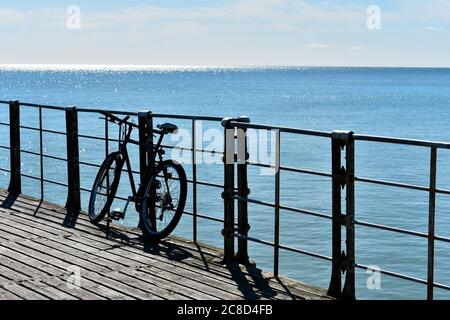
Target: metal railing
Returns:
[[343, 176], [236, 189], [73, 203]]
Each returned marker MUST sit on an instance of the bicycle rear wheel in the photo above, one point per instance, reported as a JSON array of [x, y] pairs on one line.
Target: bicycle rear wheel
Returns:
[[164, 201], [105, 187]]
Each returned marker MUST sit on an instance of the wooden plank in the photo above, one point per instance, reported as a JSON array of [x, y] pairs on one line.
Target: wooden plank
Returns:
[[79, 253], [46, 278], [35, 240], [9, 288], [95, 290], [101, 274], [6, 295], [48, 291], [24, 293], [114, 261], [211, 286], [302, 292], [88, 280]]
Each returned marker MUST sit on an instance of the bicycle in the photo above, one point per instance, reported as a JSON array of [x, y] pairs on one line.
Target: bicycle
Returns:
[[159, 200]]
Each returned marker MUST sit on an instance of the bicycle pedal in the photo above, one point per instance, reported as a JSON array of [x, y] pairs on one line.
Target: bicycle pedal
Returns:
[[117, 215]]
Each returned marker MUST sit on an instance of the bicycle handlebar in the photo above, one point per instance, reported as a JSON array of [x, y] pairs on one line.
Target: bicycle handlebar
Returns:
[[117, 120]]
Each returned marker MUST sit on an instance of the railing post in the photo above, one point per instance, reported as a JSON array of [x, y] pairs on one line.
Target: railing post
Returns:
[[228, 192], [243, 192], [343, 261], [431, 224], [73, 204], [276, 247], [15, 184], [194, 180], [145, 120]]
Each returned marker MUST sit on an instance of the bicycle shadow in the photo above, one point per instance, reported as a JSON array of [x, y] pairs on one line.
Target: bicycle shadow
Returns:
[[163, 248], [249, 280]]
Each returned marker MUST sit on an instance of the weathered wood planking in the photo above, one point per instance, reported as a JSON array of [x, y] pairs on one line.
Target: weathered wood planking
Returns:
[[38, 255]]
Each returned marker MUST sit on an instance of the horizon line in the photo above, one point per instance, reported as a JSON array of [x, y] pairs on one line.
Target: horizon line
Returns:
[[144, 67]]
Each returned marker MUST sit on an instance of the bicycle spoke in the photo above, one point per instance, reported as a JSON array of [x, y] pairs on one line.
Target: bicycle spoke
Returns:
[[102, 190]]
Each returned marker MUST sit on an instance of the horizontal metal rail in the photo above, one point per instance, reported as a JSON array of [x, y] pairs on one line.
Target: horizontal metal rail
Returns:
[[61, 184], [291, 169], [305, 132], [404, 277], [409, 142], [285, 247], [43, 155], [401, 185], [120, 112], [43, 130]]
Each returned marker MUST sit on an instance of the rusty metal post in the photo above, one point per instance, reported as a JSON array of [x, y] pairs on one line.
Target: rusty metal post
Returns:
[[343, 177], [431, 224], [228, 192], [73, 204], [243, 192], [15, 184], [276, 247], [194, 180], [145, 120], [349, 266]]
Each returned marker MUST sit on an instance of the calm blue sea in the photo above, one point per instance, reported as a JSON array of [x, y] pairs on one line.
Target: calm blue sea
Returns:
[[409, 103]]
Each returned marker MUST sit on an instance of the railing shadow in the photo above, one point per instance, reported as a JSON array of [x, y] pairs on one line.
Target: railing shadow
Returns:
[[169, 250], [9, 201], [70, 220], [249, 281], [256, 289]]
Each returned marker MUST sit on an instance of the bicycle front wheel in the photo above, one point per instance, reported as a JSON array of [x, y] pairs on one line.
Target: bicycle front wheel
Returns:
[[164, 201], [105, 187]]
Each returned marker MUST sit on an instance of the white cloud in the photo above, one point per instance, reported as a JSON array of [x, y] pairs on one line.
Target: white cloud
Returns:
[[358, 48], [434, 28], [292, 15], [9, 16], [34, 19], [434, 10], [319, 46]]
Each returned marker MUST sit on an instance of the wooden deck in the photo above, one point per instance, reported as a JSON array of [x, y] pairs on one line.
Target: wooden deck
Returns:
[[38, 254]]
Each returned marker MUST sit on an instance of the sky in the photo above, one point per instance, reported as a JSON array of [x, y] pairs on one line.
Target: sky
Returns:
[[403, 33]]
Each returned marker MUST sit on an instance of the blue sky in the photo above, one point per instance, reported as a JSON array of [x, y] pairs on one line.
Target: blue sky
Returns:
[[233, 32]]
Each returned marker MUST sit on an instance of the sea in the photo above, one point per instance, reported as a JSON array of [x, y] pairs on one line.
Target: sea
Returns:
[[409, 103]]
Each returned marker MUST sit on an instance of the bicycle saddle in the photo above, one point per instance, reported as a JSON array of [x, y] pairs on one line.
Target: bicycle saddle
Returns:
[[167, 128]]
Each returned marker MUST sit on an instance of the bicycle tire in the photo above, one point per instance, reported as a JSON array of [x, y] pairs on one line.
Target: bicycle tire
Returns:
[[97, 213], [148, 228]]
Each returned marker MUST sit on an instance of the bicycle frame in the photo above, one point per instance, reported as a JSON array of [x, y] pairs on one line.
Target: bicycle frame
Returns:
[[153, 197], [155, 151]]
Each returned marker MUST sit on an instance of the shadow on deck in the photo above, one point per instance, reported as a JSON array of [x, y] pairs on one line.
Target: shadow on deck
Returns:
[[41, 258]]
